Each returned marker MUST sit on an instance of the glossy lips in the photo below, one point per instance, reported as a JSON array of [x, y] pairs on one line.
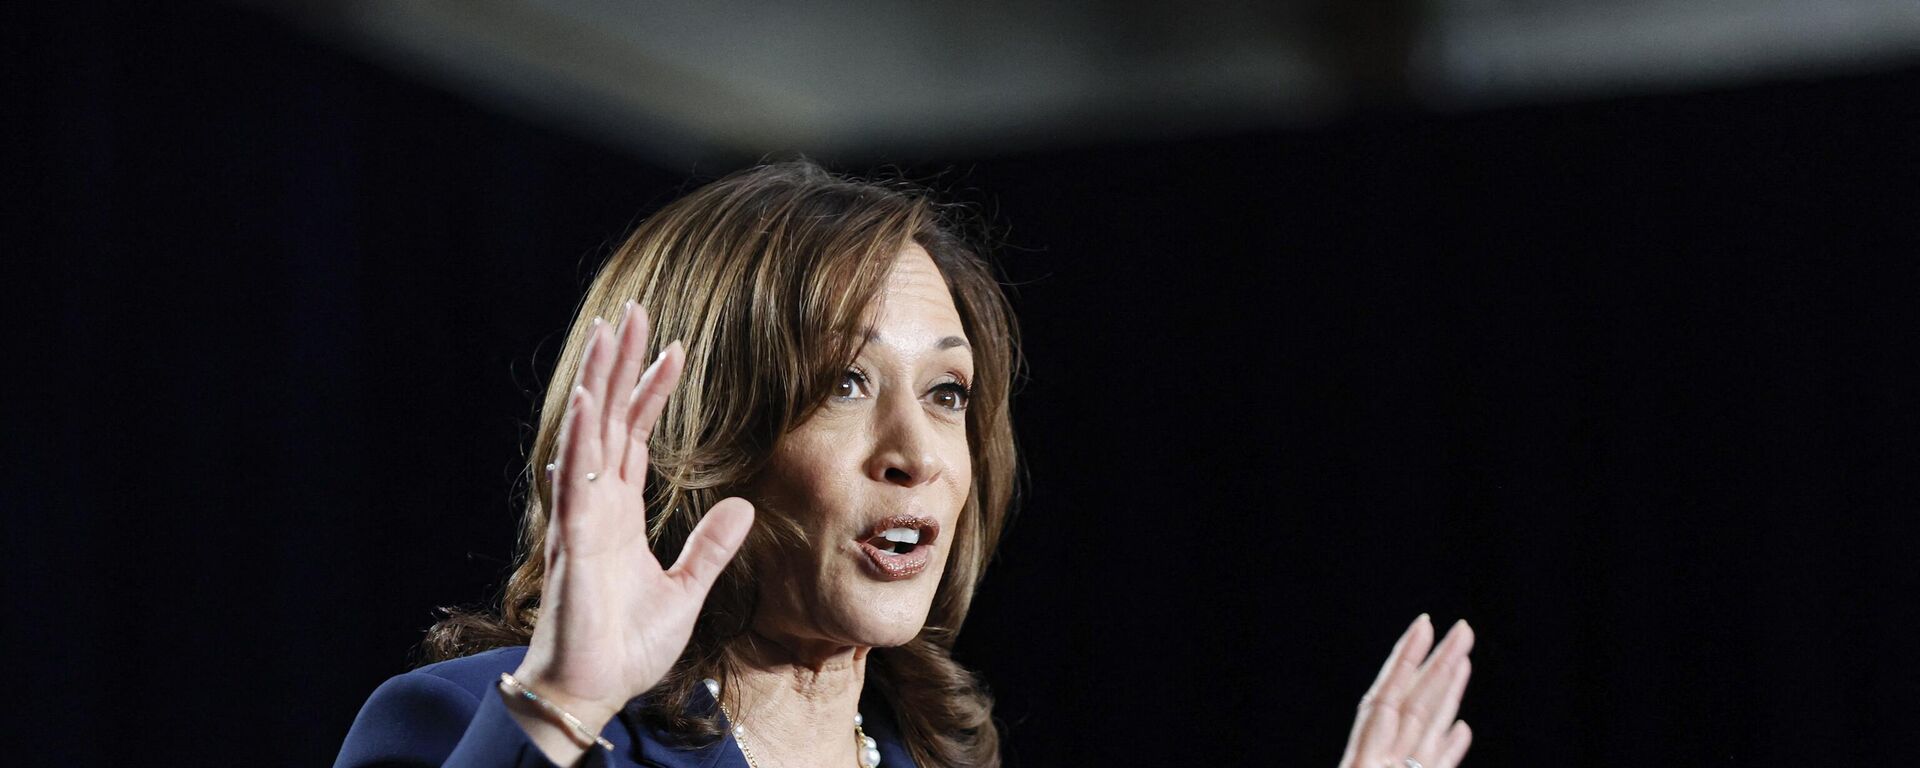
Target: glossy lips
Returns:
[[900, 546]]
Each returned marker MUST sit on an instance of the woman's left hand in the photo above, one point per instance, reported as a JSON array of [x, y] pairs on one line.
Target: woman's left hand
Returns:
[[1407, 717]]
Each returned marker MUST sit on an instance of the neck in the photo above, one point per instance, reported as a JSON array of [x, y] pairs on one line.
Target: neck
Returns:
[[797, 701]]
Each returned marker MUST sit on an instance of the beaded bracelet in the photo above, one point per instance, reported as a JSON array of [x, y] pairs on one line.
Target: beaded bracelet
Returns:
[[513, 687]]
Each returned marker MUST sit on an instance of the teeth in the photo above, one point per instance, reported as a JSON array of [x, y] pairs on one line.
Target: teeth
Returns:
[[901, 535]]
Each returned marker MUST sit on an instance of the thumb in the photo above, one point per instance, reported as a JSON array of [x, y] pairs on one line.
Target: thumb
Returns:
[[715, 540]]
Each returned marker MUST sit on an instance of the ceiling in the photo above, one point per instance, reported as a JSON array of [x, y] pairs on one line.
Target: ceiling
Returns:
[[677, 82]]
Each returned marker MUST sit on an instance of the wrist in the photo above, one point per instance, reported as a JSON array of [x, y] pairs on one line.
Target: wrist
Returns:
[[580, 719], [590, 710]]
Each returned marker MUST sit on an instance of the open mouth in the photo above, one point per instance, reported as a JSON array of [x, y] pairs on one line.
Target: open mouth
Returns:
[[900, 546], [896, 541]]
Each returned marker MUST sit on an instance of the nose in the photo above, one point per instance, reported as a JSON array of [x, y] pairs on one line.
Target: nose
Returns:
[[903, 445]]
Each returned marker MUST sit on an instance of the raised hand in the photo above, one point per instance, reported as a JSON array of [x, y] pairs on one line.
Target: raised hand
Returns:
[[1409, 711], [612, 621]]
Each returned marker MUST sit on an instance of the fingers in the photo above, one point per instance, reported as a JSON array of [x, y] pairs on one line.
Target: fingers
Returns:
[[630, 344], [571, 459], [1459, 738], [713, 544], [579, 453], [1462, 636], [1449, 705], [1377, 724], [1433, 698], [1410, 709], [596, 362], [643, 407], [1403, 663]]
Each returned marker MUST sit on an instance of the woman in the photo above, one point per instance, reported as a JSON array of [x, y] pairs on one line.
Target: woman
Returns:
[[845, 428]]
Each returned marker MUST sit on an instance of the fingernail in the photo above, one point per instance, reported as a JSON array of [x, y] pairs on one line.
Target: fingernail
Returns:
[[598, 321]]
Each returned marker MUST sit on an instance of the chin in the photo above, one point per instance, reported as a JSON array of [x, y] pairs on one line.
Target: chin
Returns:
[[890, 636], [883, 620], [851, 604], [850, 608]]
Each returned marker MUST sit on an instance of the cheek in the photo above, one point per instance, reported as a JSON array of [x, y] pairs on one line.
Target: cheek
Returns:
[[815, 485], [960, 459]]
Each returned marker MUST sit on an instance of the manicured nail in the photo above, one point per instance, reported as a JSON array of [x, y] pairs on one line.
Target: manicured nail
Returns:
[[598, 321]]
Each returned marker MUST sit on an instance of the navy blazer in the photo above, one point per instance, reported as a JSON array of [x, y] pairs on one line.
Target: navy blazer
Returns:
[[451, 714]]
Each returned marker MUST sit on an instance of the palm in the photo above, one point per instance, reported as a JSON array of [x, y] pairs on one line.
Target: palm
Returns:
[[612, 620]]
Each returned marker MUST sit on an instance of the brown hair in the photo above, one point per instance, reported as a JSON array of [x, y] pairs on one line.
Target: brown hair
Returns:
[[766, 275]]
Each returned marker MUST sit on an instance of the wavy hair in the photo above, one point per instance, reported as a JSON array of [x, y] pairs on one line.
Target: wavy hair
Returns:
[[766, 276]]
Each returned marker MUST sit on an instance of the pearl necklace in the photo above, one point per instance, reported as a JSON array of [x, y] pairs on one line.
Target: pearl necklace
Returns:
[[869, 750]]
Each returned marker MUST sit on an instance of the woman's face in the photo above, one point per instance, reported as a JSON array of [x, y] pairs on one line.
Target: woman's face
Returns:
[[877, 476]]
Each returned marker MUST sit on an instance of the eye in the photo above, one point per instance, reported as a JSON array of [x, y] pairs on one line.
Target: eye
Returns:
[[952, 396], [852, 384]]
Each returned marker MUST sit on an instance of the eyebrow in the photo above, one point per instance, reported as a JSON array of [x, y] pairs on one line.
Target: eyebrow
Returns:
[[946, 343]]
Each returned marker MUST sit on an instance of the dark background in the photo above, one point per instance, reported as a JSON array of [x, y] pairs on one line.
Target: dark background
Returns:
[[1626, 383]]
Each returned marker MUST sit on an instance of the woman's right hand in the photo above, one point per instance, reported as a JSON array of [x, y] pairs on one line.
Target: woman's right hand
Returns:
[[612, 621]]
